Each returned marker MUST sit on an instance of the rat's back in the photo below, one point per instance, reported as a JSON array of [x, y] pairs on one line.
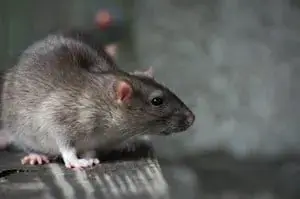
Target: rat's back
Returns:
[[57, 64], [61, 57]]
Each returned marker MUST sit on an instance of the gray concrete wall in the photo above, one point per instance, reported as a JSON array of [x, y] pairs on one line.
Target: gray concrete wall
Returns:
[[23, 22], [236, 62]]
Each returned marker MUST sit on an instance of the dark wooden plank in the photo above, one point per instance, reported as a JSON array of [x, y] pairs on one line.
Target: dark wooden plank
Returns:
[[133, 173]]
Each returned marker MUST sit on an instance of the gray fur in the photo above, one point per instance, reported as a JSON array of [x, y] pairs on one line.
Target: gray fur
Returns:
[[51, 101]]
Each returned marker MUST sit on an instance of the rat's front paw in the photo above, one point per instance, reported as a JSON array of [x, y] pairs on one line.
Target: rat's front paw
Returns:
[[34, 158], [81, 163]]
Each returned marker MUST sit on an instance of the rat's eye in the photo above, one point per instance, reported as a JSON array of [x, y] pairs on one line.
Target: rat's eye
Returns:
[[156, 101]]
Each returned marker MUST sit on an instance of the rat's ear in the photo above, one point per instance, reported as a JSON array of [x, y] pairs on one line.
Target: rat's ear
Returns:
[[147, 73], [111, 50], [123, 91]]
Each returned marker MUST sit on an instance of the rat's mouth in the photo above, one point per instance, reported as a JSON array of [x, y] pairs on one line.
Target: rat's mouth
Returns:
[[175, 130], [166, 133]]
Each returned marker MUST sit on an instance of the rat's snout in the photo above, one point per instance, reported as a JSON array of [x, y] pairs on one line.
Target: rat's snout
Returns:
[[190, 118], [180, 122]]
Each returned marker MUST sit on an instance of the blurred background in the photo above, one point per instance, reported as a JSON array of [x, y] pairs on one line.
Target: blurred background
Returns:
[[234, 62]]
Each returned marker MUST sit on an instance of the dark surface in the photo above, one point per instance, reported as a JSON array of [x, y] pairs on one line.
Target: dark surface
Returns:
[[218, 175], [131, 173], [136, 174]]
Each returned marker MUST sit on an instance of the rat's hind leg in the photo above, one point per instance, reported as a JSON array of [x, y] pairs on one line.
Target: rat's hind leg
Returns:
[[35, 158]]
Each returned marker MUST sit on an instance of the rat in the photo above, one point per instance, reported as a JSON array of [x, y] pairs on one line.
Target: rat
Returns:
[[66, 97], [89, 42]]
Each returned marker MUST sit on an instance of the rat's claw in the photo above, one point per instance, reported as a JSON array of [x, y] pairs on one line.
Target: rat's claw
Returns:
[[34, 158], [81, 163], [96, 161]]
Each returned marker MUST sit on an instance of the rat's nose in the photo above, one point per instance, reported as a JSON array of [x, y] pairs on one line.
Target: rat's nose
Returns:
[[190, 118]]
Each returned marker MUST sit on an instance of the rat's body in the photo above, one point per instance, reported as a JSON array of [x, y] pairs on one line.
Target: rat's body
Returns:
[[64, 98]]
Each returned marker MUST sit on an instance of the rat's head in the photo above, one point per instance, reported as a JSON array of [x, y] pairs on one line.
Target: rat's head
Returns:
[[150, 107]]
